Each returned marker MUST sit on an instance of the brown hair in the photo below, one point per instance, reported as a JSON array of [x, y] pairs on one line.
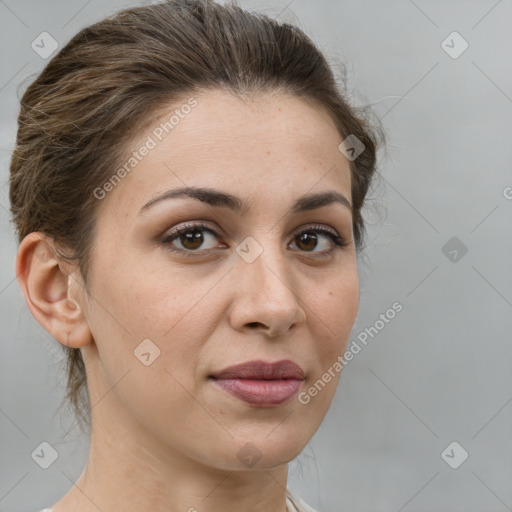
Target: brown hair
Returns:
[[77, 117]]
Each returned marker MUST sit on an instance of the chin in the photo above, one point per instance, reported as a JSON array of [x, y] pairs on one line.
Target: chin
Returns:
[[261, 450]]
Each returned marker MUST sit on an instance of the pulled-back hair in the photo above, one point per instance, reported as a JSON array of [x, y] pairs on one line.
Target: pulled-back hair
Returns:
[[113, 77]]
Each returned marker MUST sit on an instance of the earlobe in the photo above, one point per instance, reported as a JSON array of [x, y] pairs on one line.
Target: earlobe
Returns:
[[46, 283]]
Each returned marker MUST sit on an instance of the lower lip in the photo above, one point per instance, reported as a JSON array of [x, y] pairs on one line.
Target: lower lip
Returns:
[[261, 393]]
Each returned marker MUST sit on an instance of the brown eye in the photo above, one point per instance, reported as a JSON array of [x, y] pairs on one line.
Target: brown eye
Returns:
[[191, 237], [194, 237], [309, 239]]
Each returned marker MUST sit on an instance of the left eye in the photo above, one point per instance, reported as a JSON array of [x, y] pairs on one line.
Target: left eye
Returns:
[[191, 238]]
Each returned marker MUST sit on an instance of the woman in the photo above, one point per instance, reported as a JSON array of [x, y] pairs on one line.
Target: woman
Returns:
[[187, 188]]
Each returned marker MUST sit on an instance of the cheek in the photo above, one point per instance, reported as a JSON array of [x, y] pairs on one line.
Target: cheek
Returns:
[[136, 304], [177, 310], [336, 310], [167, 303], [337, 314], [146, 298]]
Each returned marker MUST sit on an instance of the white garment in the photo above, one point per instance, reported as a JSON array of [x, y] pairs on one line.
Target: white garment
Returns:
[[293, 504], [296, 504]]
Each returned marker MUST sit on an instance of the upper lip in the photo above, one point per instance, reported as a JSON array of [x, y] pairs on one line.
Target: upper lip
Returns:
[[284, 369]]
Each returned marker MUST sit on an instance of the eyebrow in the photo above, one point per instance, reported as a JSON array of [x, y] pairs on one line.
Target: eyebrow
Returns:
[[218, 198]]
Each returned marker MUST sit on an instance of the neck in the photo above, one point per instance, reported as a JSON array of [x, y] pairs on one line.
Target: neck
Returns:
[[128, 469]]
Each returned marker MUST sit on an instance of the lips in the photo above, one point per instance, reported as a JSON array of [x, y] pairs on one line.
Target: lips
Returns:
[[261, 384]]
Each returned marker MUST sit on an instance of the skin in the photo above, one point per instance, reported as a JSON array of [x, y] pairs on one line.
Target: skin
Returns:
[[164, 437]]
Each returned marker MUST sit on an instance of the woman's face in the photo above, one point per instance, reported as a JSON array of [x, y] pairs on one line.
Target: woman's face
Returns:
[[169, 313]]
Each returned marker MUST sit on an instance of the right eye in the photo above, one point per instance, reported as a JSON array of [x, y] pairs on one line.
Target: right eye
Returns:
[[190, 236]]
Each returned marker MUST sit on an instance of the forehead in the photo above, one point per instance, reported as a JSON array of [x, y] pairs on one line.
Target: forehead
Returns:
[[275, 144]]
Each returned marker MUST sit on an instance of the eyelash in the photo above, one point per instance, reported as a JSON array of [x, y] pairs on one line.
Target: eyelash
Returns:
[[339, 242]]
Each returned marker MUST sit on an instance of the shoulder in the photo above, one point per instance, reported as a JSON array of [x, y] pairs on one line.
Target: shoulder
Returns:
[[295, 504]]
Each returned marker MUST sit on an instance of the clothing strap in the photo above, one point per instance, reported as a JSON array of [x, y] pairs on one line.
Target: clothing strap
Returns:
[[295, 504]]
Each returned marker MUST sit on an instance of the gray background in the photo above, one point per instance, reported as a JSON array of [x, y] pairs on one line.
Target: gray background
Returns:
[[440, 371]]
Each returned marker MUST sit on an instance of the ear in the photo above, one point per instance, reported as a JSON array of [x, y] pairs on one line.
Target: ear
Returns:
[[53, 290]]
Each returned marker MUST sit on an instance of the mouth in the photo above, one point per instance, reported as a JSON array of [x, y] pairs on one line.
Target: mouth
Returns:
[[261, 384]]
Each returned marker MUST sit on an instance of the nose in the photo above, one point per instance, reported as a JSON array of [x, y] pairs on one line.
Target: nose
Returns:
[[267, 296]]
